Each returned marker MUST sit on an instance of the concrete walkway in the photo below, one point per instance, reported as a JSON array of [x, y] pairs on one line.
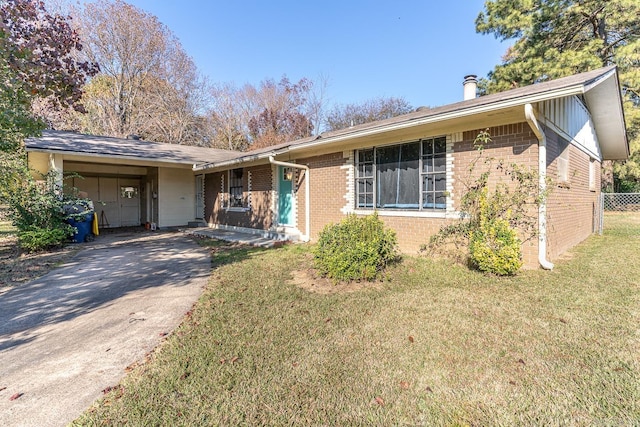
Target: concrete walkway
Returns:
[[69, 335], [234, 236]]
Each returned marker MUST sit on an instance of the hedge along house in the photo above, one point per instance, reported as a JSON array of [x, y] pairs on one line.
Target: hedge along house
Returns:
[[409, 169], [130, 181]]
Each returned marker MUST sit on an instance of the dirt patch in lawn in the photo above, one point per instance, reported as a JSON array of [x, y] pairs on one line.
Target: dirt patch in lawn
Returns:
[[17, 267], [309, 280]]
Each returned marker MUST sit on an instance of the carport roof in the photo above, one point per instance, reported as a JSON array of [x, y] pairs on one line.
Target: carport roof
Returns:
[[63, 142]]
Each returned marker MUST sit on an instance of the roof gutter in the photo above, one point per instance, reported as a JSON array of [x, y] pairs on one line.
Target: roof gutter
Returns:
[[307, 202], [530, 115], [237, 160]]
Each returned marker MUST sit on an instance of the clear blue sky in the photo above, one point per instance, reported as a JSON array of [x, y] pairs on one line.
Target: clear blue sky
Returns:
[[419, 50]]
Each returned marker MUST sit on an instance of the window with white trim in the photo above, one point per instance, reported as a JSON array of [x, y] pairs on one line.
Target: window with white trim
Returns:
[[236, 199], [563, 167], [592, 174], [410, 176]]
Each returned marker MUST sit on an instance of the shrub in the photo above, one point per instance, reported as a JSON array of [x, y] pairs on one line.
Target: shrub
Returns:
[[491, 210], [494, 247], [36, 239], [35, 208], [356, 248]]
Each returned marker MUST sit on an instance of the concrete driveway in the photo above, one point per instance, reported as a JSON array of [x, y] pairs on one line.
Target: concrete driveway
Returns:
[[72, 333]]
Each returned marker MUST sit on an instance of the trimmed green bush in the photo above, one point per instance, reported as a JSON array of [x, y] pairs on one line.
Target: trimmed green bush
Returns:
[[356, 248], [36, 239], [495, 248]]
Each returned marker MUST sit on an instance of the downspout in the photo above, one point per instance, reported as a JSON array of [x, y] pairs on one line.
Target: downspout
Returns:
[[542, 177], [307, 202]]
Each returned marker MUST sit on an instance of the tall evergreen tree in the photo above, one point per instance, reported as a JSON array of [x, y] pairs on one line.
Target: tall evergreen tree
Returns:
[[556, 38]]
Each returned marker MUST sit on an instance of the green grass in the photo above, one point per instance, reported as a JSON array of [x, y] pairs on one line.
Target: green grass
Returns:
[[435, 345]]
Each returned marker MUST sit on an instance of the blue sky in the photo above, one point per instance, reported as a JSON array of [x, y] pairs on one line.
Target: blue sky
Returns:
[[419, 50]]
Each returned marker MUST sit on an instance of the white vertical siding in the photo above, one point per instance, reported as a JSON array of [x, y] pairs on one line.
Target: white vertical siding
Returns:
[[569, 117]]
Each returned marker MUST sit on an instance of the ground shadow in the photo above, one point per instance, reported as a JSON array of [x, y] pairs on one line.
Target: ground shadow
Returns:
[[99, 275]]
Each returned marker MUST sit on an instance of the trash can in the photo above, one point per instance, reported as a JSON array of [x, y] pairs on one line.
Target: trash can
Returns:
[[83, 228], [79, 213]]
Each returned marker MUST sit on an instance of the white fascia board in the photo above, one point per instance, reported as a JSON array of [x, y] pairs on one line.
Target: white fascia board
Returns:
[[76, 154]]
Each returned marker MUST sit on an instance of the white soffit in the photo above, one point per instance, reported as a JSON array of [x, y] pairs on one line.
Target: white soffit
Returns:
[[605, 104]]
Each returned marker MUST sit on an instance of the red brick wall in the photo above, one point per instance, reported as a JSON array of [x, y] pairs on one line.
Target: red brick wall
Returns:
[[328, 186], [571, 204], [259, 216], [569, 214], [513, 143]]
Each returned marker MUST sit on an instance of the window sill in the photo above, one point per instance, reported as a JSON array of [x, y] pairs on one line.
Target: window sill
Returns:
[[415, 214], [237, 209]]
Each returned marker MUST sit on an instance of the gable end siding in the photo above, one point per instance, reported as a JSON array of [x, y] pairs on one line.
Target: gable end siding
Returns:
[[569, 118]]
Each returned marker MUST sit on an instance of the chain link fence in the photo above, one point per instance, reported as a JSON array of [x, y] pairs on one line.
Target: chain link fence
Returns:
[[615, 202]]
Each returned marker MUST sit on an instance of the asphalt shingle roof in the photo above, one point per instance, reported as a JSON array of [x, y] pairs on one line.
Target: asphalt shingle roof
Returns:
[[72, 142]]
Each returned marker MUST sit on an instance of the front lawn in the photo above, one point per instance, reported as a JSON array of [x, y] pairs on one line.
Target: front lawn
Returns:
[[435, 344]]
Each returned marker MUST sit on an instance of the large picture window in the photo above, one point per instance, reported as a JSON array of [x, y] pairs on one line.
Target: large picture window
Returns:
[[408, 176]]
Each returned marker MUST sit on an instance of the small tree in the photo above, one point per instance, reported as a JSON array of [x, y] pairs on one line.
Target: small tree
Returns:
[[37, 62], [491, 218]]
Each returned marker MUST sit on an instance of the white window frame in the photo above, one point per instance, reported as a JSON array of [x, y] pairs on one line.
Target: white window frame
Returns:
[[563, 166], [592, 174], [363, 174], [241, 203]]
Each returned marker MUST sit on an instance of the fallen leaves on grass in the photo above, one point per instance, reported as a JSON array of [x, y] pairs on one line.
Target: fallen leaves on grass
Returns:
[[117, 388]]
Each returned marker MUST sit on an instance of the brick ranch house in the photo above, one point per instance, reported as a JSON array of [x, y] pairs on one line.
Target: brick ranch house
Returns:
[[408, 169]]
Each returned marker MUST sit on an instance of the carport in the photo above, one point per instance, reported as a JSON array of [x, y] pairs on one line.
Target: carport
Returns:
[[130, 181]]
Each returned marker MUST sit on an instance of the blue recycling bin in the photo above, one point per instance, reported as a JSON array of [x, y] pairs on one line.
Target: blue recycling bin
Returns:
[[83, 228]]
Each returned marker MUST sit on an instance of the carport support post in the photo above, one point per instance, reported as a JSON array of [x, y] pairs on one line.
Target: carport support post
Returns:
[[55, 171]]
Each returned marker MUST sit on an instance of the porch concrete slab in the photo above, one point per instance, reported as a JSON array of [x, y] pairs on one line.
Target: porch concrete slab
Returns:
[[235, 236], [69, 335]]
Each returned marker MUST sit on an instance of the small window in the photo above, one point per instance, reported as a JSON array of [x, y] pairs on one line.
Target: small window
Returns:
[[128, 192], [364, 179], [235, 188], [563, 166]]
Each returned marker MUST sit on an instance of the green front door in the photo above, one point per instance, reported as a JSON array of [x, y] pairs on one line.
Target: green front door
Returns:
[[285, 195]]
